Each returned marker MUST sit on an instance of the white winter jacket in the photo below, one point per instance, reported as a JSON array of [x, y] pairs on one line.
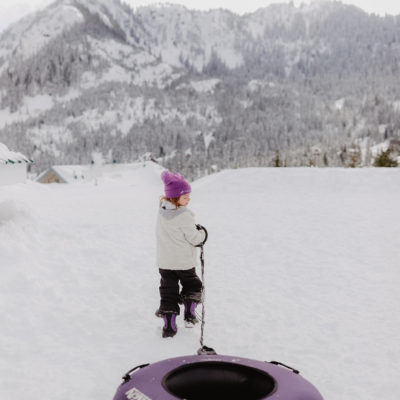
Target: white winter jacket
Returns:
[[177, 237]]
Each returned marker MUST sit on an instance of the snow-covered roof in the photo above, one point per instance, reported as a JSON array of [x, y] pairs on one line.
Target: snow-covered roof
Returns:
[[11, 157], [130, 172], [71, 173], [67, 173]]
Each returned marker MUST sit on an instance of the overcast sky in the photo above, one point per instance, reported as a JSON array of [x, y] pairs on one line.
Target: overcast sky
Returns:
[[12, 10]]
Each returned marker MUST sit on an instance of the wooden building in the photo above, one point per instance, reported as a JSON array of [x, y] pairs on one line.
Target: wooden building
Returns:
[[63, 174]]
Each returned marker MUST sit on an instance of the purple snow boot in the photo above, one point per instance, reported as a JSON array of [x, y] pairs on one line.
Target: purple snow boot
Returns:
[[190, 313], [170, 328]]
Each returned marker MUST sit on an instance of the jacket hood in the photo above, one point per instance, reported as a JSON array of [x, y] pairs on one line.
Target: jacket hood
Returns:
[[169, 211]]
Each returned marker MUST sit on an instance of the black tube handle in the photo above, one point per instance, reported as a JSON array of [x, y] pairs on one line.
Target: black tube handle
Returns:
[[127, 376], [199, 228], [286, 366], [204, 350]]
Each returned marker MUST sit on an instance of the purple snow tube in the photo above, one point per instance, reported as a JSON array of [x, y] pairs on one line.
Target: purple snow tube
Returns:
[[215, 377]]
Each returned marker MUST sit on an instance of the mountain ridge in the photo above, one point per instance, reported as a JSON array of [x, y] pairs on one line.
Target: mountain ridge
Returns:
[[163, 79]]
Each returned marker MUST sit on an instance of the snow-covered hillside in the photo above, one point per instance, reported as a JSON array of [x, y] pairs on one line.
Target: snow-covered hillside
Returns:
[[301, 266], [160, 79]]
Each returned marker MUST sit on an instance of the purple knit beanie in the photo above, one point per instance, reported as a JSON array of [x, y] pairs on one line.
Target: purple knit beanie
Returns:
[[175, 184]]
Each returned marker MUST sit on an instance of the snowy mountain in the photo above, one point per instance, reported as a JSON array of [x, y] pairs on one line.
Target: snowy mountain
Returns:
[[199, 89]]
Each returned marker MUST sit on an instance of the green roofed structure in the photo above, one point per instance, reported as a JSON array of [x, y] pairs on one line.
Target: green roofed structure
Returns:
[[13, 166]]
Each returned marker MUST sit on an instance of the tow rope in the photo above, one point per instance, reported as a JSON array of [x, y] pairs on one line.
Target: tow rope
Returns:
[[203, 349]]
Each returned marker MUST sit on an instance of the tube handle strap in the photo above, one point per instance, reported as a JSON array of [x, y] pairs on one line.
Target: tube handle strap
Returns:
[[127, 377], [286, 366]]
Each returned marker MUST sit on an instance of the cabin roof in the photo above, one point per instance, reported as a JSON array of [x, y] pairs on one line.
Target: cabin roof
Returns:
[[11, 157]]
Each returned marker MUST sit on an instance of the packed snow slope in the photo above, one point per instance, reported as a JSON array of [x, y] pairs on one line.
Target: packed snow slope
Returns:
[[301, 267]]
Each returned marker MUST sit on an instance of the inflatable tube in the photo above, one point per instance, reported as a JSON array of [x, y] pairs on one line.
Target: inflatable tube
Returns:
[[215, 377]]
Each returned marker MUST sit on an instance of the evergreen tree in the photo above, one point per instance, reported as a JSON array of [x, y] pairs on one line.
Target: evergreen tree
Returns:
[[384, 160]]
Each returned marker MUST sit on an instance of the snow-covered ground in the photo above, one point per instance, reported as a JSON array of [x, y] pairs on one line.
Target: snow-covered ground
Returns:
[[301, 267]]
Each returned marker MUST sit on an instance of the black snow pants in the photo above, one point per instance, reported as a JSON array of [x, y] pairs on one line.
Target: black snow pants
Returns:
[[169, 288]]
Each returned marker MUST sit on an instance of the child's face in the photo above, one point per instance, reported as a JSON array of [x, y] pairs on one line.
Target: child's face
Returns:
[[184, 200]]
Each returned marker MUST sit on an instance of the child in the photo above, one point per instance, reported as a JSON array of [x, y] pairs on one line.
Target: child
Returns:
[[177, 238]]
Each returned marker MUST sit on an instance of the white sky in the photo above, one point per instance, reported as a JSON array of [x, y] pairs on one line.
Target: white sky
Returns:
[[12, 10]]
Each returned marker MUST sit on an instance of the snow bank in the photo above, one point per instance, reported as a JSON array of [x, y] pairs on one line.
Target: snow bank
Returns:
[[301, 266], [12, 210]]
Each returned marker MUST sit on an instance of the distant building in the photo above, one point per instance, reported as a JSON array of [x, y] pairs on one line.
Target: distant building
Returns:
[[94, 172], [63, 174], [13, 166]]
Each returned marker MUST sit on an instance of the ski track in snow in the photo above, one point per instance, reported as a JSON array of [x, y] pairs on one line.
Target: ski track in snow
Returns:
[[301, 267]]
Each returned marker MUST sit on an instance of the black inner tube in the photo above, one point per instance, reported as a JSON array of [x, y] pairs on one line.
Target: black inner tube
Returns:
[[219, 381]]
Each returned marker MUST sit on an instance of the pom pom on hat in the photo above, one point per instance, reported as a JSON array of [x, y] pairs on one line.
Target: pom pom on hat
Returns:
[[175, 184]]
